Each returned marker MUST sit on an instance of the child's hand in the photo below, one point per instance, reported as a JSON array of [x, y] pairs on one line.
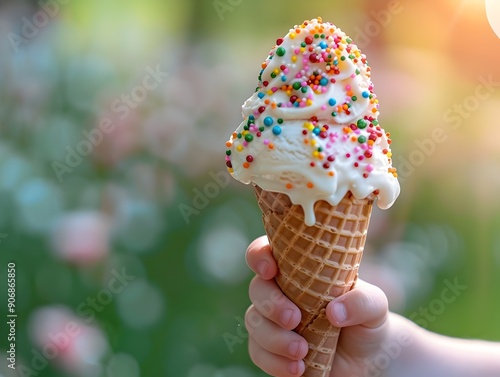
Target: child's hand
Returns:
[[279, 351]]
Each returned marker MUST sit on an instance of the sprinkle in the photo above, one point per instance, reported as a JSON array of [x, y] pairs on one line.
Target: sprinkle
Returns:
[[249, 158], [362, 123], [280, 51], [268, 121], [310, 184], [280, 121], [246, 165], [228, 152], [289, 186], [362, 139], [249, 137], [239, 148]]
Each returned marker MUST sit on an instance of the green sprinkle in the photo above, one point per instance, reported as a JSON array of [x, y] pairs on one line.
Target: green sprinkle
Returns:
[[280, 51], [362, 139], [362, 124], [248, 137], [296, 85]]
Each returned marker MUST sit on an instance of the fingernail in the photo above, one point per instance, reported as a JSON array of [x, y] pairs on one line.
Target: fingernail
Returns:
[[293, 348], [339, 312], [262, 267], [293, 367], [286, 317]]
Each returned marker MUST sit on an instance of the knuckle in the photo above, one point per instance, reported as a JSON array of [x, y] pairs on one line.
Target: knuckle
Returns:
[[253, 319]]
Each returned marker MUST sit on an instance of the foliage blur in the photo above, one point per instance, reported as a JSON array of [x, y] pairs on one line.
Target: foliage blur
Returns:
[[113, 118]]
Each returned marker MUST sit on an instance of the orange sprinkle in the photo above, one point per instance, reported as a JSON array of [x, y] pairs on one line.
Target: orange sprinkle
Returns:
[[264, 65], [306, 141], [270, 146], [267, 102], [273, 105], [374, 110], [310, 184], [228, 144], [331, 173], [354, 138], [246, 165], [235, 135], [289, 186]]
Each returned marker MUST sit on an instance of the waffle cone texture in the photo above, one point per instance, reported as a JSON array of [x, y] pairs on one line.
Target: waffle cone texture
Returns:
[[316, 263]]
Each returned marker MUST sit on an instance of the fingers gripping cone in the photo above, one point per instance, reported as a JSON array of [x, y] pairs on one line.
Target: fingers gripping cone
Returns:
[[316, 263]]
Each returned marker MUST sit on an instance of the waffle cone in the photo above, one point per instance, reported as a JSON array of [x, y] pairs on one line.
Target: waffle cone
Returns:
[[316, 263]]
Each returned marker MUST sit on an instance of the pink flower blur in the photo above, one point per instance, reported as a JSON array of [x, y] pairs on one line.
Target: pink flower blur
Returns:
[[82, 237], [67, 341]]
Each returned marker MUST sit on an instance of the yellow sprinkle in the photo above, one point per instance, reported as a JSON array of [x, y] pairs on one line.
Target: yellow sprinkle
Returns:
[[310, 127], [239, 148], [244, 132], [302, 49], [315, 153], [288, 93], [389, 154], [309, 102], [313, 142], [269, 92], [292, 35], [294, 58]]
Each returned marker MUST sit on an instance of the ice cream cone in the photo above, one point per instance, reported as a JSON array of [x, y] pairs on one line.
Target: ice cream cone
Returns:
[[316, 263]]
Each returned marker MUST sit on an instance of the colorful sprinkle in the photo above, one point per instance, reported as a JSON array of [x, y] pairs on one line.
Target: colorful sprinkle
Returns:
[[268, 121], [280, 51]]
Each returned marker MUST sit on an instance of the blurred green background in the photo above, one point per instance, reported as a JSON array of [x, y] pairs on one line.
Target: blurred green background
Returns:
[[113, 118]]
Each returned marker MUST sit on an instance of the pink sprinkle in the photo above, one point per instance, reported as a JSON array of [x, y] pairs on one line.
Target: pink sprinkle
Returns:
[[286, 71], [266, 141], [302, 104], [347, 87], [353, 75], [303, 83], [228, 158], [256, 113], [369, 168], [324, 89], [323, 107], [298, 75], [274, 89], [245, 143], [297, 51], [356, 150]]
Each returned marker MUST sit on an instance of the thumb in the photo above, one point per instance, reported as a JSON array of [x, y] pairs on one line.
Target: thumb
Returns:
[[364, 305]]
